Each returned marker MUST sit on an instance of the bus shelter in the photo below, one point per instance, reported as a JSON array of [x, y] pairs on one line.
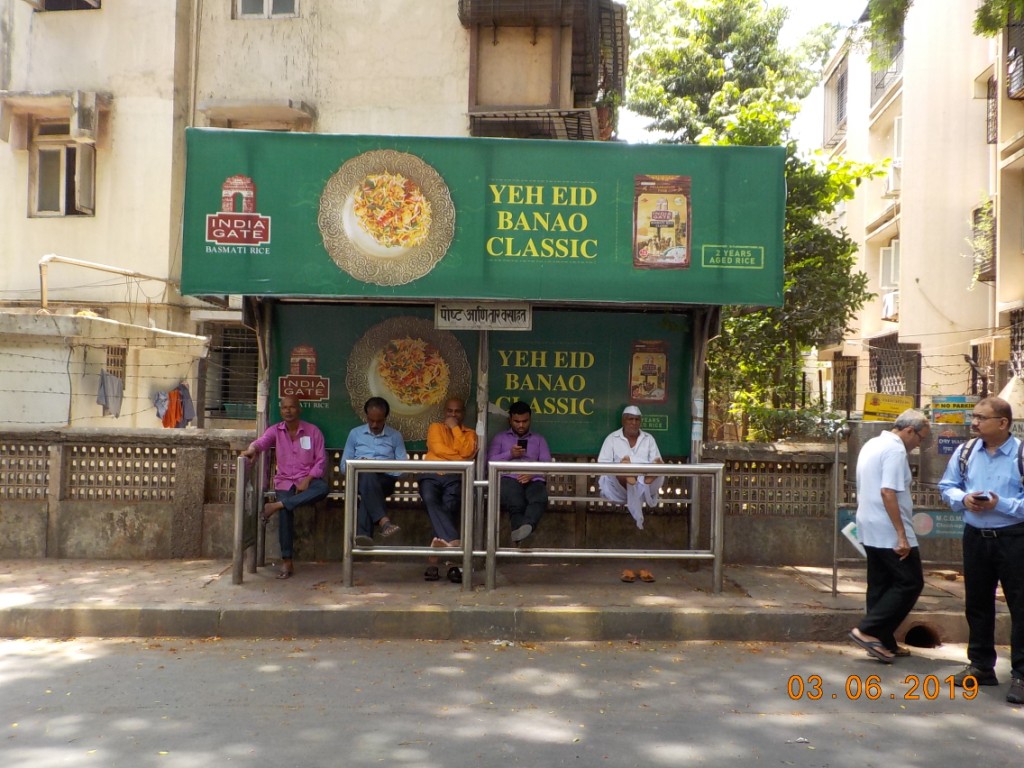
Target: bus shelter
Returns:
[[577, 277]]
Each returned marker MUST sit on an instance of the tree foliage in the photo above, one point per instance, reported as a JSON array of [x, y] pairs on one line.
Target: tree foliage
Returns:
[[886, 18], [695, 63], [714, 72]]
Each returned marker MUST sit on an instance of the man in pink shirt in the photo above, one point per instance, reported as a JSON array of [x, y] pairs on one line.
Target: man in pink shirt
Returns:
[[301, 463]]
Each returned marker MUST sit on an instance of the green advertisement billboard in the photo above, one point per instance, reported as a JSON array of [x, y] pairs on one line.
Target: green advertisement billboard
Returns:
[[577, 370], [293, 214]]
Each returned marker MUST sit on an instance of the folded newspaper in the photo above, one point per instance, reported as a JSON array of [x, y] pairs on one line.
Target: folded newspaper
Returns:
[[850, 532]]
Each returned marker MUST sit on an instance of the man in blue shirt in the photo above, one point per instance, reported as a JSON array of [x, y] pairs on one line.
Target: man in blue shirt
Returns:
[[990, 494], [524, 496], [374, 440]]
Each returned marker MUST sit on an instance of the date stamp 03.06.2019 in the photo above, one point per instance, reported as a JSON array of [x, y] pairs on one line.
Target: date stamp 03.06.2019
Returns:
[[870, 687]]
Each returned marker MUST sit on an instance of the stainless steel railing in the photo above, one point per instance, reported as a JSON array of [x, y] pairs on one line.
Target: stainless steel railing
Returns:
[[716, 471]]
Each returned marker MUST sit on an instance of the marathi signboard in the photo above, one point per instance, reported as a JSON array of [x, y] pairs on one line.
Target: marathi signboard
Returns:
[[576, 370], [879, 407], [477, 316], [293, 214]]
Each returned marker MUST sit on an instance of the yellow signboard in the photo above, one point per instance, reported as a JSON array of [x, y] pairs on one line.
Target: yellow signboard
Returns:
[[879, 407]]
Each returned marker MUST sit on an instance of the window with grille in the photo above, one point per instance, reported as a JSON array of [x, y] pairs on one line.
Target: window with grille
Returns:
[[1017, 342], [895, 368], [116, 362], [1015, 57], [844, 384], [992, 112], [835, 104], [981, 357], [233, 372]]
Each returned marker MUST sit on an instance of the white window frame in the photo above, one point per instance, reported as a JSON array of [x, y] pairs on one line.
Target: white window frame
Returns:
[[82, 171], [889, 266], [894, 179], [267, 12]]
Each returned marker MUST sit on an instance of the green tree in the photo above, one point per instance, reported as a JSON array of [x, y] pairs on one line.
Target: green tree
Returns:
[[694, 63], [886, 18], [713, 72]]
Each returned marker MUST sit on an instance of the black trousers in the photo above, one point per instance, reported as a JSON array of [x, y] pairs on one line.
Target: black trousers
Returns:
[[524, 503], [991, 558], [893, 588]]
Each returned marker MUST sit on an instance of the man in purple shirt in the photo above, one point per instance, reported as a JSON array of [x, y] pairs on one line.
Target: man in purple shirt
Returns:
[[524, 496], [301, 462]]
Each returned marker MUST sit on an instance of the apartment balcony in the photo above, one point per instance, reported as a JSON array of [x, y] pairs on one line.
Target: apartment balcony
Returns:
[[882, 81], [595, 66], [564, 124]]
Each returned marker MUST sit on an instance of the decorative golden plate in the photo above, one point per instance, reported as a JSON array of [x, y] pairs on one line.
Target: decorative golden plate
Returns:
[[379, 252], [369, 373]]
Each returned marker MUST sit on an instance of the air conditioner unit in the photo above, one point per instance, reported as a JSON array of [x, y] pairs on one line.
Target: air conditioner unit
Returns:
[[891, 306], [893, 181]]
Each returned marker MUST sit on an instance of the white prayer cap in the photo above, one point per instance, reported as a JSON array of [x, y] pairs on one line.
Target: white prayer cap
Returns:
[[631, 410]]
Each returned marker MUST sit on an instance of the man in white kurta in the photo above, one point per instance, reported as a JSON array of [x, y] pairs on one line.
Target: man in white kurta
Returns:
[[631, 445]]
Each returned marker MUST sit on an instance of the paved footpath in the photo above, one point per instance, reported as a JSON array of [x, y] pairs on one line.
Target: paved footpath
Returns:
[[326, 703], [533, 601]]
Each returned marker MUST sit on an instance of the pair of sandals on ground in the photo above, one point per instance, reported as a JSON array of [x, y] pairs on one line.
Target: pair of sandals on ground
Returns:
[[433, 573]]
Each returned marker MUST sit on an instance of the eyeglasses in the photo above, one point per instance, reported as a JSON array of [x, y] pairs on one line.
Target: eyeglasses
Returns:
[[979, 417]]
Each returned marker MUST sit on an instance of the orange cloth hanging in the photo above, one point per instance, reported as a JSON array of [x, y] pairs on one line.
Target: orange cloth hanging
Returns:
[[174, 411]]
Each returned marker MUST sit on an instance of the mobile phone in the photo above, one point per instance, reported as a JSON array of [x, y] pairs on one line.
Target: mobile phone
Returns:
[[982, 497], [521, 442]]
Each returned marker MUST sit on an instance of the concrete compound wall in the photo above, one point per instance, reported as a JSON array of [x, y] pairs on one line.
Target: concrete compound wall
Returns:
[[57, 501]]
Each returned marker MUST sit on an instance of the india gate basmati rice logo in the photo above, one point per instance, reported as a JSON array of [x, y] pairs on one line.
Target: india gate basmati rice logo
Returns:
[[302, 380], [237, 223]]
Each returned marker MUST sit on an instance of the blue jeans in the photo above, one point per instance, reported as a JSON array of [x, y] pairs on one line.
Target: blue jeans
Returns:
[[442, 496], [292, 499], [374, 488]]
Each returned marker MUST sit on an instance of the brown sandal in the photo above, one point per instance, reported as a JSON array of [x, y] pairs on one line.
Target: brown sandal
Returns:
[[646, 575], [628, 576]]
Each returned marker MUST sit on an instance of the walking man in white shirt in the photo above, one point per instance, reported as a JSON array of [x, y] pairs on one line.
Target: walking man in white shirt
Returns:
[[884, 527]]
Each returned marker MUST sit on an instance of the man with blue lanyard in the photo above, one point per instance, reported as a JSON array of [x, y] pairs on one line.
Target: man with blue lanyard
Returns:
[[985, 485]]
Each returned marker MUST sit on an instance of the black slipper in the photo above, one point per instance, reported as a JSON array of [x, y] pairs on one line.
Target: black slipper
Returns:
[[455, 575], [431, 574], [873, 647]]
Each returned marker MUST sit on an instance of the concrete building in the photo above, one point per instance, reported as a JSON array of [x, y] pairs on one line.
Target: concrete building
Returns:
[[95, 98], [939, 233]]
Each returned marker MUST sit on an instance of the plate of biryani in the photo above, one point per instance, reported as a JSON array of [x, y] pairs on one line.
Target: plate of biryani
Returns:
[[413, 366], [386, 217]]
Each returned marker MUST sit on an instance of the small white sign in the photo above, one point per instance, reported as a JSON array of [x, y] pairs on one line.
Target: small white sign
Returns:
[[482, 316]]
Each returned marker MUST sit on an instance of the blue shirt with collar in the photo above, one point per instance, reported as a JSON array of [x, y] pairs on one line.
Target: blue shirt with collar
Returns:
[[363, 444], [996, 472]]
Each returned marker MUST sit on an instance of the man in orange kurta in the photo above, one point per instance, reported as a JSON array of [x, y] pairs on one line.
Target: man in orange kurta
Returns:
[[447, 440]]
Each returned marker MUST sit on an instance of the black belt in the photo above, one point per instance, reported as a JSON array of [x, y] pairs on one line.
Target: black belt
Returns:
[[1016, 529]]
